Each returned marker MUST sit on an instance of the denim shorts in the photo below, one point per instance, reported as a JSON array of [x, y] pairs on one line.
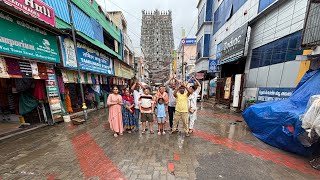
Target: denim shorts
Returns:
[[161, 119]]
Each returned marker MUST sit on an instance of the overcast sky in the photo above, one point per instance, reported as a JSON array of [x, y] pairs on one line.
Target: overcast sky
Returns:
[[184, 14]]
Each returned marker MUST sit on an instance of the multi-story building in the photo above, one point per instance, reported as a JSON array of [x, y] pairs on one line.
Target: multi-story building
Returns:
[[120, 21], [186, 57], [141, 68], [310, 34], [258, 44], [204, 33], [157, 43]]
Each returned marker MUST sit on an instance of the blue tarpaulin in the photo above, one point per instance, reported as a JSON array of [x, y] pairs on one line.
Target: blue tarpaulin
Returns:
[[278, 122]]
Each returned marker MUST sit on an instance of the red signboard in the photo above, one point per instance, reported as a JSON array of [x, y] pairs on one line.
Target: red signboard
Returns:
[[34, 8]]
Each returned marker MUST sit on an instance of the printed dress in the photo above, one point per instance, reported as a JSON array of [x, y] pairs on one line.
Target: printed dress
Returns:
[[128, 118]]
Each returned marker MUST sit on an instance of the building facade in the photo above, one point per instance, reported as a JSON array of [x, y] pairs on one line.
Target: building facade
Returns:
[[158, 43], [204, 33], [258, 45], [120, 21], [186, 58]]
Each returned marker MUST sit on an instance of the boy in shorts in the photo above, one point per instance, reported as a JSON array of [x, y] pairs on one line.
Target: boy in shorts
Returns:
[[146, 106]]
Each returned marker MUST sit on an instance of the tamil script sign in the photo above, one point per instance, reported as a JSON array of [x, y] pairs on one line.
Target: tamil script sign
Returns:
[[89, 59], [34, 8], [273, 94], [20, 38], [213, 66], [189, 41], [233, 46]]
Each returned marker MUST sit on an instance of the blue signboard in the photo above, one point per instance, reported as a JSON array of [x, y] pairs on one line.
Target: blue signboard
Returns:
[[89, 59], [273, 94], [213, 66], [189, 41]]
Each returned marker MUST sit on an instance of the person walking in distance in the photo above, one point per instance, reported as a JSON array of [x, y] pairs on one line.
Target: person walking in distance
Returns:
[[137, 92], [181, 113], [192, 102], [115, 116], [161, 115], [146, 105], [172, 100]]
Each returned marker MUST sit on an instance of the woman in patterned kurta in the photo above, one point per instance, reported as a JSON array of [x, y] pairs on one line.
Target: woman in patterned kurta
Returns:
[[128, 109], [115, 116]]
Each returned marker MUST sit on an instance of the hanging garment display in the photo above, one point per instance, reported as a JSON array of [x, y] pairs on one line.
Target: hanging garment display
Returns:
[[96, 88], [82, 81], [25, 69], [68, 102], [38, 91], [64, 76], [27, 102], [93, 79], [42, 71], [34, 69], [71, 77], [89, 78], [23, 84], [13, 68], [3, 69], [61, 85]]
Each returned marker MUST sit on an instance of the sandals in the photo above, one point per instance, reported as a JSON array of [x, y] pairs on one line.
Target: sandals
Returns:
[[151, 132], [143, 132], [115, 135]]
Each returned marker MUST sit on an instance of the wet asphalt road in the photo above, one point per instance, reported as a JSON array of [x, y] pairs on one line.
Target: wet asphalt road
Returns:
[[220, 148]]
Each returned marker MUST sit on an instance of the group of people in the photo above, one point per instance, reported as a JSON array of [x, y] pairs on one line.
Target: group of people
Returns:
[[175, 100]]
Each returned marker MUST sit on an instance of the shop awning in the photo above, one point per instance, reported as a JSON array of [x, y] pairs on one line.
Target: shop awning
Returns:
[[232, 58]]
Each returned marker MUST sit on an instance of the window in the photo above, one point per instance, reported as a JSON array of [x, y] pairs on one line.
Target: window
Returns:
[[263, 4], [225, 11], [279, 51], [201, 17]]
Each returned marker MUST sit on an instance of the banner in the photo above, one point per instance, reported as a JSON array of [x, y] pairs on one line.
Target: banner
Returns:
[[233, 46], [227, 88], [34, 8], [273, 94], [20, 38], [89, 59], [53, 93], [189, 41], [213, 66]]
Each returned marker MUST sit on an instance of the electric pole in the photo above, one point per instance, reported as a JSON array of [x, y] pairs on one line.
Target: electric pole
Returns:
[[84, 107]]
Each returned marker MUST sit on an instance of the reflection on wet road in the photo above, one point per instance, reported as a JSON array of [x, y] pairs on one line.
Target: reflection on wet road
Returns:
[[221, 147]]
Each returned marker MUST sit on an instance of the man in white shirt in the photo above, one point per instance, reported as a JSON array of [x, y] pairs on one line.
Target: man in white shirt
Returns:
[[137, 92], [192, 103]]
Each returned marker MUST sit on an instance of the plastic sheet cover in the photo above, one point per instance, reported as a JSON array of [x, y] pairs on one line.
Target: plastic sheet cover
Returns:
[[278, 122]]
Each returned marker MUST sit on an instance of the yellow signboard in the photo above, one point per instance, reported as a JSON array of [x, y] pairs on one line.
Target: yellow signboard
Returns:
[[227, 88]]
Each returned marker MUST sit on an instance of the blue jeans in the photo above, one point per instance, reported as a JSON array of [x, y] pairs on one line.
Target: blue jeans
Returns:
[[136, 117]]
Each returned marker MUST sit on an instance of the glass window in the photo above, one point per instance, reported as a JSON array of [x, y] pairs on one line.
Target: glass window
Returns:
[[225, 11], [263, 4], [279, 51]]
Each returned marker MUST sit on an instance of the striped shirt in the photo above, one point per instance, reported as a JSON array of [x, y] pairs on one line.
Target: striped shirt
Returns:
[[146, 102]]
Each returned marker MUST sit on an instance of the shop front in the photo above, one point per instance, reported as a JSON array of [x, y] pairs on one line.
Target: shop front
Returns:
[[123, 74], [96, 70], [28, 53], [232, 61]]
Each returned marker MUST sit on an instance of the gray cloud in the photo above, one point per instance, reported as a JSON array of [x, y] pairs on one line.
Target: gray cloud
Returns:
[[184, 14]]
